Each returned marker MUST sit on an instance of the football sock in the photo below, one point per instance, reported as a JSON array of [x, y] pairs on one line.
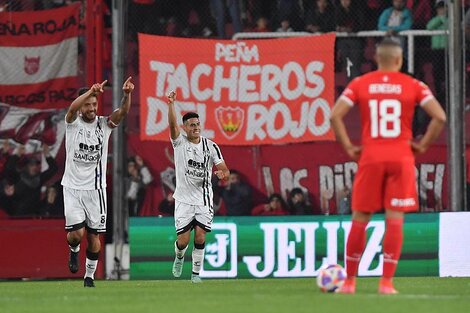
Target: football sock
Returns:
[[74, 248], [178, 251], [392, 244], [355, 247], [91, 263], [198, 257]]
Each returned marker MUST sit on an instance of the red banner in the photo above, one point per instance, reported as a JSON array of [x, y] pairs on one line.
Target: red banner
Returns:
[[245, 92], [38, 57], [321, 169]]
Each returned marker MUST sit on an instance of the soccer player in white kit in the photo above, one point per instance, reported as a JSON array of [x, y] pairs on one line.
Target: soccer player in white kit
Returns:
[[194, 157], [84, 180]]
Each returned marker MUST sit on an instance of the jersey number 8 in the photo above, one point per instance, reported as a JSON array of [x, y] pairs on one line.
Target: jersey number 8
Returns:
[[385, 118]]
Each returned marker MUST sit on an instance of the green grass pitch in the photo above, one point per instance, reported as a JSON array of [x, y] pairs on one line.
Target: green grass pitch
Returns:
[[417, 294]]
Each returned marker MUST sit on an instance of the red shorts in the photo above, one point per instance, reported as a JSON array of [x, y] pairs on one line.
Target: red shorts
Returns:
[[385, 185]]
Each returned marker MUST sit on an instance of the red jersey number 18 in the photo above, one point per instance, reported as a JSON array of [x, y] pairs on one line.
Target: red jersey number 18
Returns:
[[385, 118]]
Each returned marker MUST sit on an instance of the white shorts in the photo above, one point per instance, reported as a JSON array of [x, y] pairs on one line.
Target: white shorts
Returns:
[[85, 208], [188, 215]]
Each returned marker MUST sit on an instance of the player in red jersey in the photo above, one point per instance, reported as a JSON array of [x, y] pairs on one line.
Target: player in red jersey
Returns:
[[386, 175]]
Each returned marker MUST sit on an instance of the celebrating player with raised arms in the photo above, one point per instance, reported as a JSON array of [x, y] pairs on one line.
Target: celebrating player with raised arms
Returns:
[[84, 180], [194, 157]]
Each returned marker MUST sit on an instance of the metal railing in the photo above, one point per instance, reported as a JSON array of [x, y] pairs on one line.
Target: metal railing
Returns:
[[409, 34]]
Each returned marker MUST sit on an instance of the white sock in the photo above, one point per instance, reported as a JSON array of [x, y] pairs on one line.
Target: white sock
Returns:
[[74, 249], [90, 267], [198, 258], [180, 253]]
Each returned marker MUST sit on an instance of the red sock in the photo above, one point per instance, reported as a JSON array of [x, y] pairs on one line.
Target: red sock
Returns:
[[392, 243], [355, 247]]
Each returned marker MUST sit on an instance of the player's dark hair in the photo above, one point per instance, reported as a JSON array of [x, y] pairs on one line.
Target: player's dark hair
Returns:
[[82, 90], [189, 115]]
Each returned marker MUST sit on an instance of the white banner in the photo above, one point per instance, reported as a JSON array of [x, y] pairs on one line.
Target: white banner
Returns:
[[454, 244], [32, 65]]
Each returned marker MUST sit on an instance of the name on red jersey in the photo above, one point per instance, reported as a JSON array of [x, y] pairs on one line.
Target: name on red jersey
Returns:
[[385, 88]]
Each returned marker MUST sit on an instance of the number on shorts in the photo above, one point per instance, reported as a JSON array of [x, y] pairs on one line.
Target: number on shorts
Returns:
[[385, 118], [103, 219]]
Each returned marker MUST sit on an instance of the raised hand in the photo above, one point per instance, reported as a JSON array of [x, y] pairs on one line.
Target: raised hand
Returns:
[[98, 88], [128, 86], [171, 97]]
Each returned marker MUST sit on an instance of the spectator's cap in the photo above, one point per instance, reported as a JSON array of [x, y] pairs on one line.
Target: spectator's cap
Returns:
[[440, 3]]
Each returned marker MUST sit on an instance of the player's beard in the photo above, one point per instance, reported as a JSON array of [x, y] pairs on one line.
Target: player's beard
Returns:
[[89, 116]]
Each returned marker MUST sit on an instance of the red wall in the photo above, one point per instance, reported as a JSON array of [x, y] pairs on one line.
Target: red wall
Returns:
[[38, 249]]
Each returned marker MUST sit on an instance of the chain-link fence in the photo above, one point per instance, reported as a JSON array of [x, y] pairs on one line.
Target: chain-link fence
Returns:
[[325, 182], [358, 24]]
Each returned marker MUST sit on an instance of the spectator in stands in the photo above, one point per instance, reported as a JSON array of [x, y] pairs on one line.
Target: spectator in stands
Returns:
[[288, 11], [4, 155], [138, 179], [438, 46], [167, 205], [52, 205], [421, 12], [262, 25], [8, 198], [28, 186], [395, 19], [285, 26], [220, 7], [298, 203], [218, 187], [344, 201], [349, 19], [14, 163], [275, 206], [237, 195], [321, 17], [256, 8]]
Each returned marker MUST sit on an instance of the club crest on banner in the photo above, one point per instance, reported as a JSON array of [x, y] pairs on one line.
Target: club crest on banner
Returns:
[[229, 120], [31, 65]]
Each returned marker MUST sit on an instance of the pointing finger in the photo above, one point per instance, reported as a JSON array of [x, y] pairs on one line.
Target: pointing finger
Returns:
[[128, 80], [103, 83]]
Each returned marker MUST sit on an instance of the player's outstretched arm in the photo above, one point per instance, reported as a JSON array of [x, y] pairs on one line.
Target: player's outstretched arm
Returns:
[[172, 123], [81, 100], [222, 171], [340, 109], [119, 114], [438, 120]]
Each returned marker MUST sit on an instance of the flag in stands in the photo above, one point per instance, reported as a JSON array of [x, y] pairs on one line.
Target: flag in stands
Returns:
[[38, 57]]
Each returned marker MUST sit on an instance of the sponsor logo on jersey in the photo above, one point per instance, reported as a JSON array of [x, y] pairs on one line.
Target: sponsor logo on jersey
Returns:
[[402, 202]]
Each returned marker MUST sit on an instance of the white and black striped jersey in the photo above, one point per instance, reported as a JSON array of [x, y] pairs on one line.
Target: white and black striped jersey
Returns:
[[86, 148], [193, 166]]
